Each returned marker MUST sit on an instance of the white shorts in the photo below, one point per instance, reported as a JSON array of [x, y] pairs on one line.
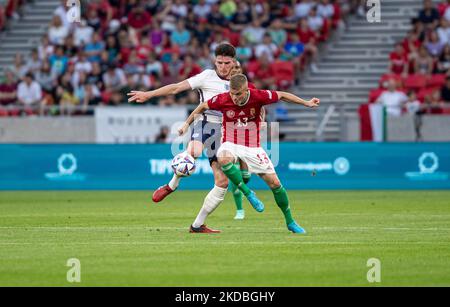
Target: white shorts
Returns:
[[255, 157]]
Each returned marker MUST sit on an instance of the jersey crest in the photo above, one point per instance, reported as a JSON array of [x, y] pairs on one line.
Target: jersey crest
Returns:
[[230, 114]]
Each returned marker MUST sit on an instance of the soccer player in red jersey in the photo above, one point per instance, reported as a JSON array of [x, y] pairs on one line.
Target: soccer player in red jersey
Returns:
[[241, 109]]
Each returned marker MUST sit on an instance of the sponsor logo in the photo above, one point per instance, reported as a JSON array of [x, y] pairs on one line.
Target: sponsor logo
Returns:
[[164, 167], [341, 166], [67, 166], [428, 164]]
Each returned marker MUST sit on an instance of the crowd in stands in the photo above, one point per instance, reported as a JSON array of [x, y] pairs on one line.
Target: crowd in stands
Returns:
[[418, 81], [10, 9], [143, 44]]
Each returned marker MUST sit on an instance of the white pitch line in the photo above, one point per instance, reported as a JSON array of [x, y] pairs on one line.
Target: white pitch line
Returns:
[[228, 243], [108, 228]]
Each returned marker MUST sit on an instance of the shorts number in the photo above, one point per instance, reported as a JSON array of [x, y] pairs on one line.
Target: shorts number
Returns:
[[263, 159]]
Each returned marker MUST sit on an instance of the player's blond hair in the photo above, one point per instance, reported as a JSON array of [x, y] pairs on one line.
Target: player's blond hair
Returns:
[[238, 81]]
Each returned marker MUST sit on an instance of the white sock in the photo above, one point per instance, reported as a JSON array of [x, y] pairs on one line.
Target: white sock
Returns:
[[212, 201], [173, 184]]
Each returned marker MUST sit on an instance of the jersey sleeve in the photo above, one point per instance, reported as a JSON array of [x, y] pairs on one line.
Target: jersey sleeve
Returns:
[[198, 81], [264, 97], [214, 103]]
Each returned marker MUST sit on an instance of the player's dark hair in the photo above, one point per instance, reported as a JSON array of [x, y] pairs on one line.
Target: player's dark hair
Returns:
[[237, 81], [225, 49]]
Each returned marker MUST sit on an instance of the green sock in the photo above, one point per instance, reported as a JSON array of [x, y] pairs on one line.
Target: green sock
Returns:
[[245, 176], [282, 201], [234, 174], [237, 195]]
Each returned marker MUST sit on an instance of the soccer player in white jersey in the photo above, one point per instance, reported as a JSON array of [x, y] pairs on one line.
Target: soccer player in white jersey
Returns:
[[206, 131]]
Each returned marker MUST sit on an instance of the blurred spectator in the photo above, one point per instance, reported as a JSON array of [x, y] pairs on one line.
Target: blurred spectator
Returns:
[[412, 105], [325, 9], [201, 9], [243, 50], [46, 78], [8, 89], [82, 65], [277, 33], [434, 46], [139, 19], [112, 48], [429, 15], [114, 78], [45, 49], [443, 65], [179, 8], [392, 99], [228, 8], [444, 32], [2, 18], [242, 17], [181, 36], [254, 33], [264, 74], [19, 68], [29, 94], [154, 67], [216, 20], [163, 135], [445, 90], [189, 69], [302, 8], [133, 66], [61, 12], [315, 22], [57, 31], [93, 20], [434, 104], [267, 47], [83, 34], [58, 62], [423, 62], [94, 48], [33, 63], [202, 33], [398, 63]]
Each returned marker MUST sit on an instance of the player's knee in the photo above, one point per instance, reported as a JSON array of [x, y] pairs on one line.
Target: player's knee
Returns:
[[195, 149], [275, 184], [221, 182], [224, 160]]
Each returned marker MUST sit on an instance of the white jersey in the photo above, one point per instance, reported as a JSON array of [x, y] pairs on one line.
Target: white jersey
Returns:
[[209, 84]]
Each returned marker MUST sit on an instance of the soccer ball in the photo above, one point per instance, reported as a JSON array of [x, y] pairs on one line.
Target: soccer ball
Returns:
[[183, 164]]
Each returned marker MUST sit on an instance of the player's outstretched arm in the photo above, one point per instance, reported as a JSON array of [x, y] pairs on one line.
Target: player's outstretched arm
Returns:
[[171, 89], [199, 110], [288, 97]]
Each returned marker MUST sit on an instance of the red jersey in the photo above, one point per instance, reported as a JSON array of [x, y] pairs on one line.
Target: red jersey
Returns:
[[398, 62], [241, 124]]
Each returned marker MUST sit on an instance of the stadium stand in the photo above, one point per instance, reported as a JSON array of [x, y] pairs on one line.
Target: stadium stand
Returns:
[[123, 45], [318, 48], [419, 65]]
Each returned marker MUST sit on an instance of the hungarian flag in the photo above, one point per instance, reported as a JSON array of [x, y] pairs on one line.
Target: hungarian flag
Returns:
[[373, 122]]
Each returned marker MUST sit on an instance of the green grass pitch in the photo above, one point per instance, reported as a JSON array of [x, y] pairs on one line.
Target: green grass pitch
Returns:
[[123, 239]]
